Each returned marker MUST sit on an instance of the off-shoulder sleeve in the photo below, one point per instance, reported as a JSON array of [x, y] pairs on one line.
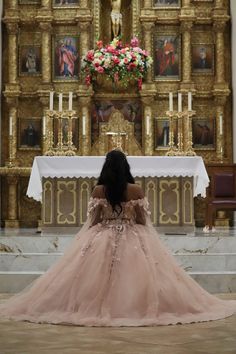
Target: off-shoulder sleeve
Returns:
[[94, 212], [141, 207]]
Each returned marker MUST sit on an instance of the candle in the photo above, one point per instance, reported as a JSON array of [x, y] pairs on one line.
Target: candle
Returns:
[[44, 126], [10, 126], [179, 102], [70, 100], [60, 101], [84, 125], [221, 125], [189, 101], [171, 101], [51, 101], [148, 125]]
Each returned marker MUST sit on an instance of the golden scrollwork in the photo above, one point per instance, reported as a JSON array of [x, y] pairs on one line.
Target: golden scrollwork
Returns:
[[29, 96]]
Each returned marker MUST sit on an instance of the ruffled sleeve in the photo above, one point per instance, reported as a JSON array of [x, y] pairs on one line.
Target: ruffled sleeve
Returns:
[[94, 212], [141, 208]]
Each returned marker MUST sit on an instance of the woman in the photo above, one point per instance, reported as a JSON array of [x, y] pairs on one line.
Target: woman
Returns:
[[116, 272]]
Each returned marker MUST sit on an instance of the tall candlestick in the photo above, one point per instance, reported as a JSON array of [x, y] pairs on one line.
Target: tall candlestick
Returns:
[[189, 101], [51, 101], [44, 126], [10, 126], [171, 101], [84, 125], [60, 101], [179, 102], [221, 125], [70, 100], [148, 125]]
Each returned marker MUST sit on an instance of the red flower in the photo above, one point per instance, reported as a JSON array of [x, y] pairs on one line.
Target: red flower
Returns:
[[99, 44], [115, 60], [140, 82], [90, 55]]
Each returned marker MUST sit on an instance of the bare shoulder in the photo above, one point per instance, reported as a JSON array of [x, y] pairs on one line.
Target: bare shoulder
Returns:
[[98, 192], [134, 192]]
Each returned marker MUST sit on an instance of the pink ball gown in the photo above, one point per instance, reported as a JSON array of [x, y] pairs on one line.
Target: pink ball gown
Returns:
[[116, 272]]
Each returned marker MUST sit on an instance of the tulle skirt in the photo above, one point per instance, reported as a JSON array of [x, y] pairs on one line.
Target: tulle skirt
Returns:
[[116, 276]]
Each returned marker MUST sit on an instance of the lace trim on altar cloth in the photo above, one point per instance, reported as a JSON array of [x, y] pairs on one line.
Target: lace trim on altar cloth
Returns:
[[95, 202]]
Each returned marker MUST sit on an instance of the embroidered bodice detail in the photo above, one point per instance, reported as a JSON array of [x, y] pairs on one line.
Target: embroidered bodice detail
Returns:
[[127, 215]]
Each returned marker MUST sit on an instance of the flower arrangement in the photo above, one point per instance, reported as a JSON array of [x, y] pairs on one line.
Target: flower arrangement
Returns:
[[120, 63]]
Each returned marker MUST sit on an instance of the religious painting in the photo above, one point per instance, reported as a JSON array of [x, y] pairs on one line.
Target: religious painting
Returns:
[[203, 59], [65, 3], [29, 60], [162, 127], [166, 53], [204, 134], [166, 3], [102, 110], [65, 58], [29, 2], [29, 133], [65, 131]]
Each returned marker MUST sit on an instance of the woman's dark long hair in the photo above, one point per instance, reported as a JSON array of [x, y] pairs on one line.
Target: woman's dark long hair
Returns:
[[114, 177]]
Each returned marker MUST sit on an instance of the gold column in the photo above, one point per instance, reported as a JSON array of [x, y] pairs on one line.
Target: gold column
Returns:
[[45, 104], [220, 52], [147, 3], [84, 3], [186, 3], [46, 3], [12, 29], [46, 51], [186, 28], [85, 138], [12, 4], [12, 221], [147, 32], [84, 35]]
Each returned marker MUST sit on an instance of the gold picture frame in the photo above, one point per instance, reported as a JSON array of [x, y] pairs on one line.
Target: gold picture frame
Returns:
[[29, 133], [166, 4], [167, 55], [204, 134], [161, 133], [65, 70], [203, 59], [30, 60]]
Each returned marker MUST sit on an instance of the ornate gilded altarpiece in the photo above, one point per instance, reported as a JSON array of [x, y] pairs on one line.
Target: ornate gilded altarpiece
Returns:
[[34, 31]]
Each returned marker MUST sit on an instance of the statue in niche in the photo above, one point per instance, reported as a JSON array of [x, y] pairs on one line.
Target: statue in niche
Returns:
[[116, 17]]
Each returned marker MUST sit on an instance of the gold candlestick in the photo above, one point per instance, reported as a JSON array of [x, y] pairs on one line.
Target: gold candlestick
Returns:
[[172, 151], [189, 150]]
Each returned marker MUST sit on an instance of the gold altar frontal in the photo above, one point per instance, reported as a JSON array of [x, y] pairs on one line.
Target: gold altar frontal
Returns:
[[65, 202]]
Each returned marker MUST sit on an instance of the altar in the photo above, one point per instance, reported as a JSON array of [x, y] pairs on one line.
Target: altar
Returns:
[[64, 186]]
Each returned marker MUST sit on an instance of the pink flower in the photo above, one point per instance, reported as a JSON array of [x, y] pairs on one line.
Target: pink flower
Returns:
[[126, 60], [134, 42], [110, 49], [123, 51], [100, 69]]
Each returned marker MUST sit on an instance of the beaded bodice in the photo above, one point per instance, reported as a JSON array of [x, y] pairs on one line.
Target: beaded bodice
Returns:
[[127, 215]]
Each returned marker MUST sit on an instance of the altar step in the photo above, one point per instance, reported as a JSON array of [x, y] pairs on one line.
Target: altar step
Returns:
[[211, 261]]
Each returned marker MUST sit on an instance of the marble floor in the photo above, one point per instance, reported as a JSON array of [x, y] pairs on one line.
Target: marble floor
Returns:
[[215, 337]]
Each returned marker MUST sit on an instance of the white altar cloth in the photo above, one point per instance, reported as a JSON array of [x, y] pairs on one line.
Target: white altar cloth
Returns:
[[141, 166]]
